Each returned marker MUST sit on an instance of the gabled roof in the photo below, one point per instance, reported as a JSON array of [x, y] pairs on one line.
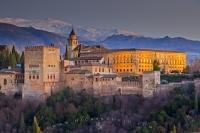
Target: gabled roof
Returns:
[[91, 48]]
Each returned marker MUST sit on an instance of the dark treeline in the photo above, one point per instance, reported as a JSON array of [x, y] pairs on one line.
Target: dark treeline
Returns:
[[67, 112], [10, 58], [168, 78]]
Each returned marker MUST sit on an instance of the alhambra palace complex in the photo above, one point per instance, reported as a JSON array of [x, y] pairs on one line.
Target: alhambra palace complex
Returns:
[[95, 69]]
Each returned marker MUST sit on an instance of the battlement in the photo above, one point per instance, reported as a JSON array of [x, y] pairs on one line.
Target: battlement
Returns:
[[30, 48], [33, 48]]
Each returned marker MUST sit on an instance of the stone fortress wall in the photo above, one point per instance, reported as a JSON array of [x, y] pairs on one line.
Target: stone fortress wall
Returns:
[[95, 69]]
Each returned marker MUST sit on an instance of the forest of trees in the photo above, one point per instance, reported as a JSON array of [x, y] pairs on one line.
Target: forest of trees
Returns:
[[66, 112], [10, 58]]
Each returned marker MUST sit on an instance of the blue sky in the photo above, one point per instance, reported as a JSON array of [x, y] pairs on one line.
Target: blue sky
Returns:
[[156, 18]]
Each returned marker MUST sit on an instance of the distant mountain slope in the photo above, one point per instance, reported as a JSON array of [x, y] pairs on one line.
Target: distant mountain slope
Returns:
[[181, 44], [23, 36], [63, 28]]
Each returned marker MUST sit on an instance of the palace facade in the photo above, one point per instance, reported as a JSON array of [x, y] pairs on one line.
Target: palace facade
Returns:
[[95, 69], [128, 61], [138, 61]]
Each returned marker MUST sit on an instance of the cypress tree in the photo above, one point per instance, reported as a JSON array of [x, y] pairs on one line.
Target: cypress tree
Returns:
[[22, 60], [4, 58], [15, 54], [156, 65], [174, 129], [12, 60], [36, 128]]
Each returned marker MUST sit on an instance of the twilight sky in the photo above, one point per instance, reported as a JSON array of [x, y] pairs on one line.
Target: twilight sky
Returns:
[[156, 18]]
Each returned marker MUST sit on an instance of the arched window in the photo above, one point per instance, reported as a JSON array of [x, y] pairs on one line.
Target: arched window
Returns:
[[5, 82]]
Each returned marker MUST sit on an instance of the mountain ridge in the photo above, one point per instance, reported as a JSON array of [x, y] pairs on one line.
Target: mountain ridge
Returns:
[[24, 36], [191, 47], [63, 28]]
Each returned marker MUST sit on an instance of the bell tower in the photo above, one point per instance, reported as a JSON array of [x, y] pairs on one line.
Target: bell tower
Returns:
[[72, 44]]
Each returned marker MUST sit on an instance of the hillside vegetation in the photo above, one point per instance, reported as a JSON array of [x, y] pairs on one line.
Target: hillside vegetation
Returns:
[[67, 112]]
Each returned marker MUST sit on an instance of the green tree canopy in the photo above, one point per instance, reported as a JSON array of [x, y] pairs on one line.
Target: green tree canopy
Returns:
[[156, 65]]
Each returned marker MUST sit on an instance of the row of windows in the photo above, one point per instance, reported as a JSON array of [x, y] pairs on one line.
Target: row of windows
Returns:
[[150, 66], [5, 81], [175, 67], [19, 76], [123, 61], [144, 70], [104, 79], [86, 61], [124, 70], [142, 55], [131, 70], [145, 65], [51, 76], [51, 49], [102, 70], [51, 65], [101, 79], [19, 81], [178, 62], [33, 76]]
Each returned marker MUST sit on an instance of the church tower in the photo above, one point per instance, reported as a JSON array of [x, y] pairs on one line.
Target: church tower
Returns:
[[72, 44]]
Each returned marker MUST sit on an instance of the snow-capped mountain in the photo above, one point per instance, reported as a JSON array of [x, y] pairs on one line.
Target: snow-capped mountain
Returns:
[[30, 32], [63, 28], [191, 47], [25, 36]]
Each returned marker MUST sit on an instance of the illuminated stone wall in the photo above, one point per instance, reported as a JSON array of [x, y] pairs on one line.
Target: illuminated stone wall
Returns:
[[136, 61]]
